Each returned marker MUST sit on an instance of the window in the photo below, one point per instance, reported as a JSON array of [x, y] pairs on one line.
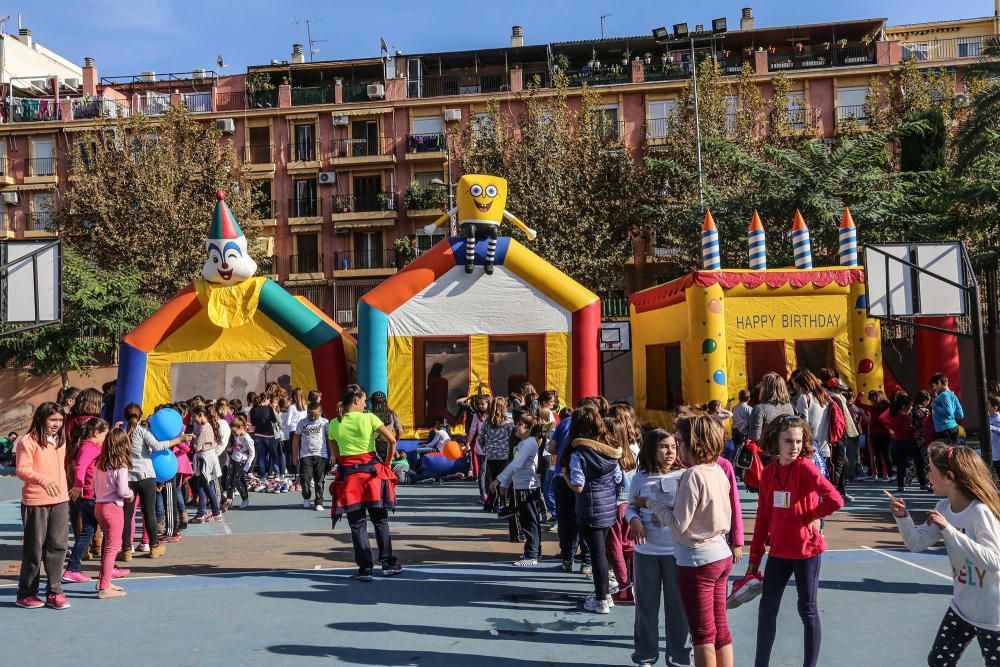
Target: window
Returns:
[[3, 158], [851, 103], [732, 108], [425, 242], [796, 105], [307, 257], [969, 47], [368, 250], [366, 193], [304, 203], [606, 121], [663, 377], [441, 377], [40, 218], [424, 178], [260, 145], [917, 50], [415, 78], [364, 138], [484, 125], [661, 114], [763, 357], [221, 378], [263, 206], [42, 160], [305, 143], [428, 125], [514, 362], [814, 354]]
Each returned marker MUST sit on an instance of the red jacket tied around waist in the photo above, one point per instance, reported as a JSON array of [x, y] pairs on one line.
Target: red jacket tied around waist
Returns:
[[362, 481]]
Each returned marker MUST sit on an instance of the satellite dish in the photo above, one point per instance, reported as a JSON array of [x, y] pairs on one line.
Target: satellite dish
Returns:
[[221, 62], [385, 47]]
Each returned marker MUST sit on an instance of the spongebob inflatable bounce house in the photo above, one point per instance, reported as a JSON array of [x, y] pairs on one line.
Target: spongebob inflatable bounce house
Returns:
[[439, 330], [709, 334], [229, 333]]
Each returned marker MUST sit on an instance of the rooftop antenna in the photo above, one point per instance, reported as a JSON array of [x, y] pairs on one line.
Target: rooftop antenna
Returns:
[[313, 50], [221, 62], [603, 16]]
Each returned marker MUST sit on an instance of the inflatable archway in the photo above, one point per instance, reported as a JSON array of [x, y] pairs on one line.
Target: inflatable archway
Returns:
[[228, 333]]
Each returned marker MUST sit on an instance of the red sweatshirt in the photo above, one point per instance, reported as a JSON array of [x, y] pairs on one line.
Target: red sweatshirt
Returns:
[[804, 496], [901, 426], [84, 475]]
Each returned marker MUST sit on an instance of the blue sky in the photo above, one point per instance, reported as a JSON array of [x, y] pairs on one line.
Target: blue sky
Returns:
[[129, 36]]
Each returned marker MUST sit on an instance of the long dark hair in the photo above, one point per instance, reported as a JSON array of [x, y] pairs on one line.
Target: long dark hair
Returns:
[[899, 401], [213, 421], [88, 404], [133, 415], [116, 453], [86, 431], [586, 422], [380, 407], [42, 414], [647, 452]]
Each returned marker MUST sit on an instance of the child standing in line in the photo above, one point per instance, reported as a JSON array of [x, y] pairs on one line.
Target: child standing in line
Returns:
[[285, 466], [904, 447], [91, 439], [968, 520], [522, 473], [699, 520], [241, 454], [41, 465], [111, 491], [994, 402], [206, 463], [945, 409], [619, 541], [794, 496], [655, 568], [311, 453]]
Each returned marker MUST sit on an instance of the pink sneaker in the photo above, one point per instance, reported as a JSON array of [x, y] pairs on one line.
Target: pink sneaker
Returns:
[[119, 572], [70, 577], [56, 601], [745, 589], [31, 602]]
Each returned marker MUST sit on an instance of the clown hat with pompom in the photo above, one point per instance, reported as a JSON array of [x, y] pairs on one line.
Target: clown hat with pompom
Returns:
[[224, 225]]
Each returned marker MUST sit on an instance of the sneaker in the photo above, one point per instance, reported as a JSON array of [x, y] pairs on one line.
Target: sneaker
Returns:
[[110, 593], [125, 555], [526, 562], [119, 572], [363, 575], [157, 551], [849, 498], [319, 507], [30, 602], [392, 570], [169, 539], [612, 583], [245, 504], [745, 590], [56, 601], [71, 577], [567, 566], [586, 570], [226, 504], [592, 604], [201, 519], [306, 504]]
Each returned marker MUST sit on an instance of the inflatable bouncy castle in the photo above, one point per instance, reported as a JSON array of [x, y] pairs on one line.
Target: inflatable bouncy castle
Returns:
[[229, 333], [438, 330]]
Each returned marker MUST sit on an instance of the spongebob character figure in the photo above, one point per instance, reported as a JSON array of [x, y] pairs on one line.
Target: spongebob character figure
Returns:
[[481, 205]]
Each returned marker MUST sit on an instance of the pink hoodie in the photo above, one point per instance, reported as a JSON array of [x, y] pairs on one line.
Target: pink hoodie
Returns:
[[181, 449], [84, 464]]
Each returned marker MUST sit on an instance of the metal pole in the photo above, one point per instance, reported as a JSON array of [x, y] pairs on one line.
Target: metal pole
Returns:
[[697, 128], [985, 446]]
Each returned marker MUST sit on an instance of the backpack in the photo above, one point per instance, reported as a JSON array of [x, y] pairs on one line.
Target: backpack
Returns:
[[838, 425], [751, 478]]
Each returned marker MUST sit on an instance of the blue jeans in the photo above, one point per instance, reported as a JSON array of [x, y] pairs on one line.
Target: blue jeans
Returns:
[[268, 451], [206, 488], [88, 522], [549, 492], [179, 494]]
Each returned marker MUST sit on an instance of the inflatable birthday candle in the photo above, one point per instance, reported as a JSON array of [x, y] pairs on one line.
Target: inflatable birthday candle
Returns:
[[228, 260], [481, 200]]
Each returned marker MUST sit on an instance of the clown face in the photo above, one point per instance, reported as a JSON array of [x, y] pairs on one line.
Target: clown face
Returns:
[[228, 262], [481, 199]]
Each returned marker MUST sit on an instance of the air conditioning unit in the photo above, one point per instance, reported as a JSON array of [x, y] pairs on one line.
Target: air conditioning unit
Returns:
[[9, 198], [376, 90], [225, 125], [327, 178], [345, 317], [148, 76], [341, 120], [452, 115], [41, 84], [72, 82], [198, 73]]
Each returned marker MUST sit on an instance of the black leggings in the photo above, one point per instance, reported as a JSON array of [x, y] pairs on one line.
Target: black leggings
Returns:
[[505, 498], [901, 451], [879, 451], [955, 635], [236, 480], [358, 521], [595, 538], [145, 491], [569, 532]]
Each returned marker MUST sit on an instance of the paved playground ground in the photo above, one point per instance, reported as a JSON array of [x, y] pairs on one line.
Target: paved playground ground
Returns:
[[272, 585]]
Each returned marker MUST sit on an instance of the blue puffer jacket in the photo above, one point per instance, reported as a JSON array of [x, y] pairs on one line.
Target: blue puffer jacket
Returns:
[[597, 505]]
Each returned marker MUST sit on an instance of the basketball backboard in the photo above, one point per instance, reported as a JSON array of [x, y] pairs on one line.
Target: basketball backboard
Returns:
[[30, 283], [915, 279], [615, 337]]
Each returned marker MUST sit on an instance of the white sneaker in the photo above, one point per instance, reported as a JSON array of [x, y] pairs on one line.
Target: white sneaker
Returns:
[[307, 504], [592, 604], [245, 504], [142, 548], [612, 583], [319, 508]]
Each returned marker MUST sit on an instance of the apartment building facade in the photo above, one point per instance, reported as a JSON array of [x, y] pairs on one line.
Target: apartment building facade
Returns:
[[334, 146]]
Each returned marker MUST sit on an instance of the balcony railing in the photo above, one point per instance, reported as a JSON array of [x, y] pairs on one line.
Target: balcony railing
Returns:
[[380, 201], [41, 166], [539, 77], [366, 147], [610, 130], [98, 107], [153, 105], [455, 84], [839, 57], [306, 263], [356, 91], [198, 102], [943, 49], [851, 114], [265, 210], [301, 151], [258, 153], [33, 109], [308, 207], [3, 165], [231, 100], [798, 118], [597, 77], [38, 222], [614, 306], [664, 71], [263, 99], [732, 65], [312, 95], [268, 265], [659, 128], [426, 143], [347, 260]]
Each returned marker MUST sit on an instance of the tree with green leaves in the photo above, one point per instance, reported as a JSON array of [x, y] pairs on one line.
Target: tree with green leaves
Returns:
[[141, 192], [99, 306], [979, 136]]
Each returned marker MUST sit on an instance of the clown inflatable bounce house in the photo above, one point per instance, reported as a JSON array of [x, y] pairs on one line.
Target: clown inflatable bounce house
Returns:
[[229, 333]]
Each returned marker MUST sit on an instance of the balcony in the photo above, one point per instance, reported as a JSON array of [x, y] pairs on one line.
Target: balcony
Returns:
[[955, 48], [614, 307], [356, 91], [262, 99], [540, 78], [658, 129], [797, 118], [427, 146], [38, 222], [265, 210], [303, 155], [198, 102], [153, 104], [260, 155], [230, 100], [733, 65], [99, 107], [304, 267], [851, 116], [456, 84], [304, 211], [33, 109], [367, 262], [666, 71], [362, 152], [605, 76], [268, 265], [373, 210], [610, 130], [312, 95], [41, 166], [848, 56]]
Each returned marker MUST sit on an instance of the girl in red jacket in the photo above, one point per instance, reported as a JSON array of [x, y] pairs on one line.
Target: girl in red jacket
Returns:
[[794, 496]]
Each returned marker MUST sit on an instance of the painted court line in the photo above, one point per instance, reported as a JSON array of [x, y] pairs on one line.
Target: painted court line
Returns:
[[903, 560]]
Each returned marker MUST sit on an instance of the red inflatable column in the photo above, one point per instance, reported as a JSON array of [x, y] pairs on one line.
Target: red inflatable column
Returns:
[[938, 353]]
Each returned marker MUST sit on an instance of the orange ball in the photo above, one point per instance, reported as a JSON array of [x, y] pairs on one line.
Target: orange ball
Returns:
[[453, 450]]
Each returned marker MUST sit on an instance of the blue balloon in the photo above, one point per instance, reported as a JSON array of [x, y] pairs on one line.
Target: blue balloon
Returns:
[[164, 465], [166, 424], [719, 377]]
